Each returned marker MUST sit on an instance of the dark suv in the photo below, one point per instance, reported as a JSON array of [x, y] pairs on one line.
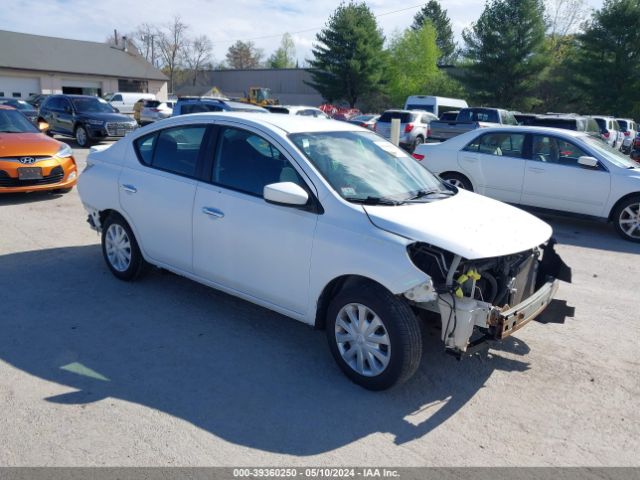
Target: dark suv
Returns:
[[86, 118], [186, 105]]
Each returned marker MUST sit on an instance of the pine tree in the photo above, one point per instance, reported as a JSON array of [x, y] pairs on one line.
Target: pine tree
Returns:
[[348, 56], [607, 68], [505, 52], [433, 12]]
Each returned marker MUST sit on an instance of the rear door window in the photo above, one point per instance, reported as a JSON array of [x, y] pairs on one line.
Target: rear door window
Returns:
[[502, 144], [175, 150]]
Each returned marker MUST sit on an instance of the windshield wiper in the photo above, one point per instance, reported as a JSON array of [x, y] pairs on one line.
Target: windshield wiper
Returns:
[[427, 193], [375, 201]]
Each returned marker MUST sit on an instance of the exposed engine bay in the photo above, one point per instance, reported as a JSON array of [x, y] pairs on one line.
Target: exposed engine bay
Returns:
[[492, 297]]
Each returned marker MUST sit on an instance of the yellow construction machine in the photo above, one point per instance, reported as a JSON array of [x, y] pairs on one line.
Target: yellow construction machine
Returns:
[[260, 96]]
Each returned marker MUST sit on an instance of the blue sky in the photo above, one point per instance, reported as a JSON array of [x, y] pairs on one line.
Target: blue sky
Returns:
[[223, 21]]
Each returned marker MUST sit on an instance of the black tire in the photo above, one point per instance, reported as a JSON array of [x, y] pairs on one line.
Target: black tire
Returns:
[[82, 136], [458, 180], [137, 264], [622, 214], [402, 327], [418, 141]]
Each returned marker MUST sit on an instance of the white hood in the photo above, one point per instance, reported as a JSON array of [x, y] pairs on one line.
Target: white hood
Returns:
[[466, 224]]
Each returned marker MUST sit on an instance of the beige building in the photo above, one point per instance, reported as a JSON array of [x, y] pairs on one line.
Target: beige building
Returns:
[[31, 64]]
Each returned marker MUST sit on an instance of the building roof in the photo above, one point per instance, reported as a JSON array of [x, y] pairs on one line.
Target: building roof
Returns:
[[51, 54]]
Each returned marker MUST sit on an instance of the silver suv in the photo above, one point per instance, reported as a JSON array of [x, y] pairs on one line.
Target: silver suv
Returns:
[[414, 126]]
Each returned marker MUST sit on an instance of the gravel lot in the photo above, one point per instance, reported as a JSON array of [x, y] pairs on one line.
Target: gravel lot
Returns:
[[94, 371]]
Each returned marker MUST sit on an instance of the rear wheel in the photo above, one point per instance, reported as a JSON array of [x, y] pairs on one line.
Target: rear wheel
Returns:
[[418, 141], [457, 180], [120, 249], [627, 219], [373, 336]]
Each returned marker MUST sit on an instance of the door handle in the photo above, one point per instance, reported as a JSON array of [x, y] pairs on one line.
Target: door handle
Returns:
[[129, 188], [536, 169], [213, 212]]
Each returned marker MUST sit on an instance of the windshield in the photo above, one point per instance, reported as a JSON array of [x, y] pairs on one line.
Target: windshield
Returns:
[[12, 121], [92, 105], [362, 166], [19, 104], [611, 154]]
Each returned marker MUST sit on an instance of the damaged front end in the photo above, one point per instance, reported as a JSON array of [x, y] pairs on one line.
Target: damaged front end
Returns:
[[485, 299]]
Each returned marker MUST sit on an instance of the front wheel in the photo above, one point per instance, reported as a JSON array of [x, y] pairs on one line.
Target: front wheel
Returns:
[[82, 137], [373, 336], [120, 249], [627, 219]]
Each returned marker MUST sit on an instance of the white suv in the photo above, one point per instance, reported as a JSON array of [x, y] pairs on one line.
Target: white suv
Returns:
[[324, 222], [629, 130], [610, 131]]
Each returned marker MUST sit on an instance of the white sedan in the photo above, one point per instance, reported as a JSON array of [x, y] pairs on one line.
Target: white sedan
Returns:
[[547, 168], [324, 222]]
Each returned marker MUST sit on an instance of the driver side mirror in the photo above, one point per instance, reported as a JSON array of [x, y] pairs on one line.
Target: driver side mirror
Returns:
[[43, 126], [588, 162], [285, 193], [116, 110]]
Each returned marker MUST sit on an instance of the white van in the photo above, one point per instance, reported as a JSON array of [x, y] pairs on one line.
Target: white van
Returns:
[[124, 101], [435, 105]]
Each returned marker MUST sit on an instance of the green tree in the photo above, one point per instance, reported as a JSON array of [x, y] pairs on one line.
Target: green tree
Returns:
[[242, 55], [505, 53], [607, 67], [285, 55], [348, 57], [434, 13], [412, 64]]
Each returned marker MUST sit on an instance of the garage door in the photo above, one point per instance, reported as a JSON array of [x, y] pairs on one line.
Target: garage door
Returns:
[[18, 87]]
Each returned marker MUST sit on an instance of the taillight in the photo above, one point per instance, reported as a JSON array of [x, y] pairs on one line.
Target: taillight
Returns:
[[418, 157], [429, 132], [408, 127], [626, 134], [374, 127], [605, 134], [155, 109]]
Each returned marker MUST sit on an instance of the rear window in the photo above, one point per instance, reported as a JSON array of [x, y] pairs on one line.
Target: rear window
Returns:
[[200, 107], [405, 117], [623, 125], [426, 108], [151, 103], [601, 123], [478, 115], [564, 123]]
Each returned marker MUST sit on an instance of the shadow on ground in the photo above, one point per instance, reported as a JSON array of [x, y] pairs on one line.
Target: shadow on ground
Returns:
[[240, 372], [29, 197], [588, 234]]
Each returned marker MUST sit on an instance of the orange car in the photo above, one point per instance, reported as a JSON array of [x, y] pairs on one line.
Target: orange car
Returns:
[[29, 160]]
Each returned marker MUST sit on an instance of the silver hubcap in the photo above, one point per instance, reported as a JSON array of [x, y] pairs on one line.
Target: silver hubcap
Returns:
[[118, 247], [81, 136], [363, 341], [630, 220], [455, 182]]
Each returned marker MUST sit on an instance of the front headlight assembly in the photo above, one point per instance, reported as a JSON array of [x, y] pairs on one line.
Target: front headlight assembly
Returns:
[[64, 151]]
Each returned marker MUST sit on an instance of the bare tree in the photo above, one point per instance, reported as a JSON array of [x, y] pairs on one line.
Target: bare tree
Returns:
[[146, 37], [172, 42], [198, 55], [565, 16]]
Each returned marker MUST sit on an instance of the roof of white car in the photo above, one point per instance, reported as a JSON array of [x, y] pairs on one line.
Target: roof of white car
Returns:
[[274, 121], [528, 129]]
